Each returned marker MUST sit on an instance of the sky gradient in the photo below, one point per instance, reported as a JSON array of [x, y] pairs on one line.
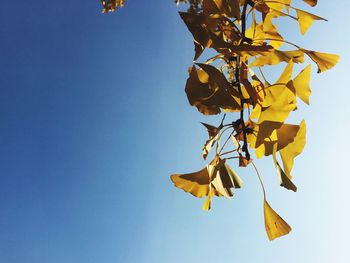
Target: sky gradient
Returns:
[[94, 119]]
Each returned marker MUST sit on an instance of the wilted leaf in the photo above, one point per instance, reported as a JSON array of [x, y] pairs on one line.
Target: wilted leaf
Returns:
[[274, 224]]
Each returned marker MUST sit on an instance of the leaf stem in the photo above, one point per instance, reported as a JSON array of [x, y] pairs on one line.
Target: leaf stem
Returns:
[[261, 183]]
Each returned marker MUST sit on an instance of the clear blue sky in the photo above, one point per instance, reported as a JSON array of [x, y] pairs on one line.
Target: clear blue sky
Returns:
[[94, 119]]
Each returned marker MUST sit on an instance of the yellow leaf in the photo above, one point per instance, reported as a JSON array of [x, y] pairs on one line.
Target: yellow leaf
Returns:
[[287, 73], [217, 178], [209, 91], [269, 134], [306, 19], [279, 102], [279, 4], [324, 61], [283, 178], [293, 149], [196, 183], [213, 136], [271, 31], [274, 224], [301, 84], [277, 56]]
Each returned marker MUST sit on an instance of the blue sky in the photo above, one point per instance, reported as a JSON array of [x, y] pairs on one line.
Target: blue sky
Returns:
[[94, 119]]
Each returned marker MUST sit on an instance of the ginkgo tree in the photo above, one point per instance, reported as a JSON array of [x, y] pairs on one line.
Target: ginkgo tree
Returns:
[[245, 40]]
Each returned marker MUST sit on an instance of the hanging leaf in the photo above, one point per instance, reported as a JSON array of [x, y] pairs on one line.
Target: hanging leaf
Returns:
[[213, 137], [274, 224], [324, 61], [283, 178], [293, 149]]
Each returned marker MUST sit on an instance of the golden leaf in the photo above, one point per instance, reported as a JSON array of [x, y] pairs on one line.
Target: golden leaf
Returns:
[[211, 92], [279, 102], [216, 179], [293, 149], [213, 137], [198, 25], [268, 134], [274, 224], [196, 183], [271, 31], [279, 4], [287, 73], [324, 61], [306, 19], [277, 56], [301, 84], [283, 178]]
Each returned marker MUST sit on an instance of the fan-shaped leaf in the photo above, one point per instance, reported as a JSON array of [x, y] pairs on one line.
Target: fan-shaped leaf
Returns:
[[277, 56], [306, 19], [324, 61], [274, 224]]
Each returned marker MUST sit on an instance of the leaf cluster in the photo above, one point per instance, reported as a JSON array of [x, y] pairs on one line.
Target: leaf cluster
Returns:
[[245, 41]]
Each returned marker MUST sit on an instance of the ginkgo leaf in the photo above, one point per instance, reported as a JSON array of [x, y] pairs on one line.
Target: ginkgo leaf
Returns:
[[274, 224], [306, 19], [324, 61], [244, 50], [311, 2], [216, 179], [268, 134], [277, 56], [218, 77], [213, 137], [279, 4], [293, 149], [271, 31], [210, 93], [196, 183], [287, 73], [301, 84], [283, 178], [200, 36], [111, 5], [278, 103]]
